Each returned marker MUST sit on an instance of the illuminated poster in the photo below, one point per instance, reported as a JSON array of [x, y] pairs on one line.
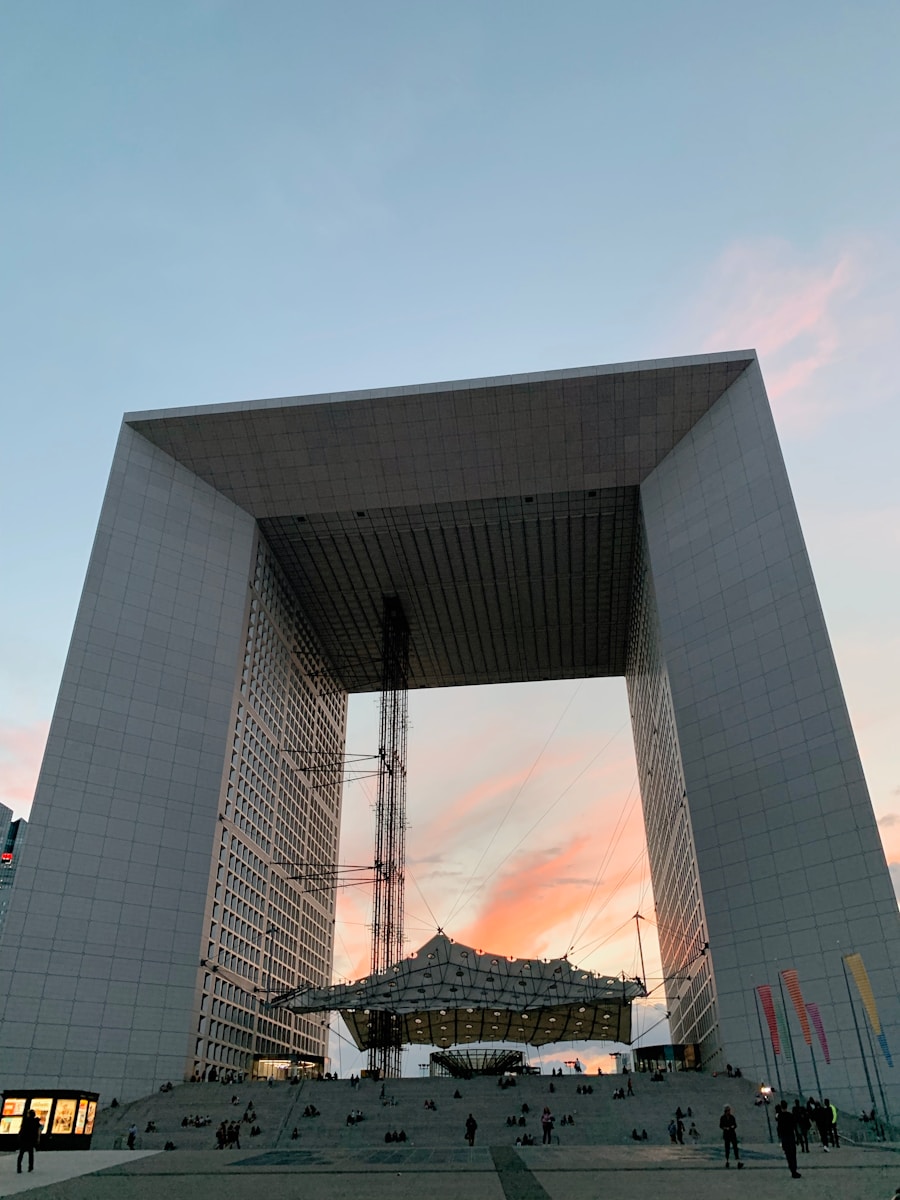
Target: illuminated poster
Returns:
[[82, 1115], [89, 1124], [42, 1106], [11, 1119], [64, 1117]]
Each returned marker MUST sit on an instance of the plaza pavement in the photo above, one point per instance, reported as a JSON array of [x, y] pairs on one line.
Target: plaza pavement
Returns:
[[330, 1160], [484, 1173]]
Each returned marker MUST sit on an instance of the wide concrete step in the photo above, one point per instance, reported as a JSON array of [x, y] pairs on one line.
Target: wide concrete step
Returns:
[[598, 1118]]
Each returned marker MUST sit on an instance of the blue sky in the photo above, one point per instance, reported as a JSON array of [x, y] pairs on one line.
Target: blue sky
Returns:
[[207, 201]]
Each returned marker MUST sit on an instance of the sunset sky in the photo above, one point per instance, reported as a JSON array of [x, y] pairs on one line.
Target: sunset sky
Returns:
[[209, 201]]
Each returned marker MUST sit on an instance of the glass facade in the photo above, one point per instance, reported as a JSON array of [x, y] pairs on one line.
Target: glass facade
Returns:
[[687, 970], [270, 925]]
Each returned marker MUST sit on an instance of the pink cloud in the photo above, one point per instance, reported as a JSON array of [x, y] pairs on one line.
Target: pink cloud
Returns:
[[21, 752], [817, 322]]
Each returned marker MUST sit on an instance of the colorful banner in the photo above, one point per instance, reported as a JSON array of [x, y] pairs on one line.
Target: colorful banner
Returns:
[[882, 1042], [816, 1017], [783, 1030], [792, 983], [857, 969], [768, 1006]]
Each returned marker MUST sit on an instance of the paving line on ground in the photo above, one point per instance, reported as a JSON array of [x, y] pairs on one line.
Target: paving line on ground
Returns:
[[515, 1176]]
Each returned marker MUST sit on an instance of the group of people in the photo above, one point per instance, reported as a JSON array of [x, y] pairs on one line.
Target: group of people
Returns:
[[311, 1111], [621, 1093], [228, 1136], [676, 1129], [586, 1089], [430, 1105], [212, 1075], [514, 1120], [355, 1116], [794, 1124], [393, 1136], [195, 1122]]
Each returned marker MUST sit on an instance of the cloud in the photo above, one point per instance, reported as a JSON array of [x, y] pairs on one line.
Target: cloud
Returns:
[[817, 320], [21, 751], [889, 819]]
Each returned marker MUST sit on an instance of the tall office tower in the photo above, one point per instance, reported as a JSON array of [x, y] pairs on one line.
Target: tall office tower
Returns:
[[632, 521], [10, 849], [5, 822], [191, 777]]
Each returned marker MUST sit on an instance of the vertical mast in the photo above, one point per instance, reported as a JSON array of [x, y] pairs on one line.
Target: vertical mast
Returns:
[[390, 820]]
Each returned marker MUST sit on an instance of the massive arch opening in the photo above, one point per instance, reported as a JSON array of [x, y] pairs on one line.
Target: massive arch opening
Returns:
[[630, 521]]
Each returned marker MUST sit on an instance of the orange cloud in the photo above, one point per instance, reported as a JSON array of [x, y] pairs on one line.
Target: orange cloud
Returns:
[[21, 752], [537, 892]]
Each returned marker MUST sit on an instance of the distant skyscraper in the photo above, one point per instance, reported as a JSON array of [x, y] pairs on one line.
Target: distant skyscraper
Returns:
[[631, 521], [11, 845]]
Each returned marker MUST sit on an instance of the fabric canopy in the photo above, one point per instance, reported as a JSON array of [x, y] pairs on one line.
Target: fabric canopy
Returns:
[[448, 994]]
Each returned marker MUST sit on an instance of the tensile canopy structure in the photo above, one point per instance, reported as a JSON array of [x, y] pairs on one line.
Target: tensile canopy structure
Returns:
[[449, 994]]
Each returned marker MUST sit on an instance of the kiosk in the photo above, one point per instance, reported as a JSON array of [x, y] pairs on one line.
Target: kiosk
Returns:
[[67, 1117]]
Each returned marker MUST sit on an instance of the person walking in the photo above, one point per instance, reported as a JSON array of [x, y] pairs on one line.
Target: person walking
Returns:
[[786, 1125], [833, 1138], [801, 1123], [728, 1125], [132, 1134], [547, 1125], [822, 1117], [29, 1139], [471, 1126]]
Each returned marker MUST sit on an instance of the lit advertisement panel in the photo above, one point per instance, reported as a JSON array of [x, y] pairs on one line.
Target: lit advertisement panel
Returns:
[[82, 1116], [42, 1106], [64, 1116], [11, 1118], [89, 1124]]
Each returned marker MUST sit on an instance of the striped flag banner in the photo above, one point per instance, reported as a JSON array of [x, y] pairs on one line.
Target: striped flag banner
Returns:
[[768, 1006], [792, 983], [857, 969], [882, 1042], [783, 1030], [816, 1017]]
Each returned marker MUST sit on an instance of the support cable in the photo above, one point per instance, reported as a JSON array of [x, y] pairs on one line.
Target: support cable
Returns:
[[525, 836], [464, 893], [624, 814]]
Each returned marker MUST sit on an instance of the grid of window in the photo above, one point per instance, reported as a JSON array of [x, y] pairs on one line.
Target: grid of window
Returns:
[[689, 983], [271, 915]]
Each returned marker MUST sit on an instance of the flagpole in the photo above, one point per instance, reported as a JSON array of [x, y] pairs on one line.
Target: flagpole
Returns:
[[877, 1071], [812, 1055], [859, 1036], [763, 1040], [787, 1029]]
